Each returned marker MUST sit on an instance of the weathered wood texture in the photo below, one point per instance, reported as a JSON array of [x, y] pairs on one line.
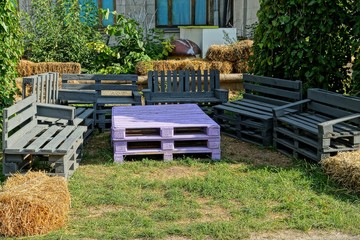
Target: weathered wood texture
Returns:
[[46, 89], [26, 141], [112, 90], [326, 124], [185, 87], [164, 129], [251, 119]]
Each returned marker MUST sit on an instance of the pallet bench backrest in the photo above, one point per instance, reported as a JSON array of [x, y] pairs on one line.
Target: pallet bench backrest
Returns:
[[183, 81], [17, 120], [45, 86], [271, 90], [100, 82], [332, 104]]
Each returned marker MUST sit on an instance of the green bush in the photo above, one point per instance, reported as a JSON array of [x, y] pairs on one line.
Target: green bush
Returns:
[[11, 49], [59, 31], [355, 83], [306, 40]]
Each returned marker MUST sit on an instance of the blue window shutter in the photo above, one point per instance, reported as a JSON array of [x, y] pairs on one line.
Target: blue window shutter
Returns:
[[162, 12], [108, 4], [200, 12], [181, 12], [89, 12]]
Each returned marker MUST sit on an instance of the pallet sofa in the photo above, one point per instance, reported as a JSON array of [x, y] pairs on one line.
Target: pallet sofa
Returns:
[[46, 89], [185, 86], [326, 124], [25, 139], [111, 90], [251, 119]]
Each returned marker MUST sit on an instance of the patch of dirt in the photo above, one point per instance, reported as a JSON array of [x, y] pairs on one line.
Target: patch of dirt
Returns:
[[239, 151], [173, 172], [299, 235]]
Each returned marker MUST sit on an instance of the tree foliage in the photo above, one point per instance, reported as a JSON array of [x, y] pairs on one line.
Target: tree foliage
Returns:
[[355, 83], [306, 40], [11, 50], [59, 30]]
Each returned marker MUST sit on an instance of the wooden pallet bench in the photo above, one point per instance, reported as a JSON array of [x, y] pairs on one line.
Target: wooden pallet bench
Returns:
[[327, 124], [164, 129], [185, 86], [26, 142], [46, 89], [111, 90], [251, 119]]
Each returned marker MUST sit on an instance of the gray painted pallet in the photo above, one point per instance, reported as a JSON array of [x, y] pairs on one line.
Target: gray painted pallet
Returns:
[[25, 139], [163, 129], [251, 118], [329, 123], [111, 90], [46, 88], [185, 86]]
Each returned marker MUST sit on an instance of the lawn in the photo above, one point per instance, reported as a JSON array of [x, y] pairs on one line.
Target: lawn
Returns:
[[251, 190]]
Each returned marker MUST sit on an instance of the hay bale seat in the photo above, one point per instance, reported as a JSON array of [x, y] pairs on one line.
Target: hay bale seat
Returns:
[[25, 140], [33, 204], [345, 169]]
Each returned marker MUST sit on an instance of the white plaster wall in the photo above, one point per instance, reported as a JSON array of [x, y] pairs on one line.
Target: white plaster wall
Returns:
[[245, 15]]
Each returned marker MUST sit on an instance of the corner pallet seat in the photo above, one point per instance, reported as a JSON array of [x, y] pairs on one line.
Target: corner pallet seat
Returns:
[[251, 119], [185, 87], [27, 142], [329, 123], [112, 90], [46, 88]]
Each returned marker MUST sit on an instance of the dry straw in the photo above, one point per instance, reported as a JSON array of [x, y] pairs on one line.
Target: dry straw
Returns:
[[32, 204], [238, 51], [28, 68], [344, 168]]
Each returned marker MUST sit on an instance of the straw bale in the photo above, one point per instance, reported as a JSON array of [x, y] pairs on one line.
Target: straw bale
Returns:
[[237, 51], [28, 68], [241, 67], [223, 66], [143, 67], [33, 203], [344, 168]]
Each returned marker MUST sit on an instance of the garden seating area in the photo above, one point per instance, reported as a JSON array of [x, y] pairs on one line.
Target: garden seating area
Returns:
[[271, 113]]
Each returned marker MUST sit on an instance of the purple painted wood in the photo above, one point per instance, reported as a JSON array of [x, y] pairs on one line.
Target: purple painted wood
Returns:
[[163, 129]]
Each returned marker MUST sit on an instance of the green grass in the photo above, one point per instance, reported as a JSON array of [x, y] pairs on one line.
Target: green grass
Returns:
[[200, 199]]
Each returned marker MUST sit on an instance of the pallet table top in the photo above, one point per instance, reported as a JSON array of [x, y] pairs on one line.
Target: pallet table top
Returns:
[[154, 116]]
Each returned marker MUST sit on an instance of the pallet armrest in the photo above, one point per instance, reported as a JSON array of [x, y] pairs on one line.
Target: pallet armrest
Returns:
[[86, 96], [280, 111], [55, 111], [137, 97], [146, 93], [222, 94], [326, 127]]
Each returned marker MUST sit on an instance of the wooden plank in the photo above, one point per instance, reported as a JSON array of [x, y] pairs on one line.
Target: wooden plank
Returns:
[[57, 140], [42, 139], [169, 82], [55, 111], [19, 106], [175, 81], [186, 81], [20, 118], [70, 140], [198, 80], [276, 92], [18, 141], [274, 82], [155, 82], [151, 80], [181, 81], [113, 77], [193, 81], [213, 79], [163, 85], [335, 99], [99, 87], [206, 82]]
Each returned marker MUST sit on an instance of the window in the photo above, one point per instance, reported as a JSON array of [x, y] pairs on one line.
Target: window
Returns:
[[92, 6], [173, 13]]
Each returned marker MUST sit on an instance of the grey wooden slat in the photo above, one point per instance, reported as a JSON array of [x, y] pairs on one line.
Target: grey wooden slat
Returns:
[[151, 80], [20, 118], [115, 100], [168, 80], [198, 80], [244, 112], [328, 110], [276, 82], [335, 99], [20, 105], [18, 141], [217, 79], [162, 79], [186, 81], [42, 139], [212, 80], [47, 88], [265, 99], [57, 140], [156, 82], [272, 91], [68, 143], [99, 87], [174, 81], [193, 81], [181, 81], [113, 77], [299, 124], [55, 111], [82, 96], [206, 81]]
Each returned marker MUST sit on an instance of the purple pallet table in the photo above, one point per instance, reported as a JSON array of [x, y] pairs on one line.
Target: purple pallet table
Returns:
[[163, 129]]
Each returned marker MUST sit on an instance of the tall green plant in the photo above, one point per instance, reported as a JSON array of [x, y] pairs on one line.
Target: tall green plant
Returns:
[[355, 82], [11, 49], [306, 40], [59, 30]]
